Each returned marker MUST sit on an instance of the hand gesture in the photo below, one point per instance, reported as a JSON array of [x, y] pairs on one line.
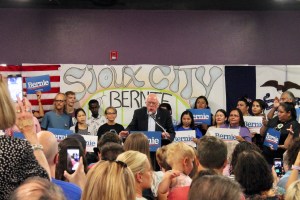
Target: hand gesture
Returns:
[[38, 95], [172, 174], [78, 177], [276, 102], [239, 138], [165, 135], [25, 118], [290, 130]]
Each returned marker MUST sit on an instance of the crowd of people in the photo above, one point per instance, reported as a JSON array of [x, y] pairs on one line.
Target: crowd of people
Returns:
[[123, 167]]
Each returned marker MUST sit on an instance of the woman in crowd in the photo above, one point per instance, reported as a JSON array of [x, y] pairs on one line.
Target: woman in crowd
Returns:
[[254, 175], [168, 107], [81, 126], [214, 187], [109, 181], [202, 103], [220, 119], [141, 169], [187, 123], [20, 159], [287, 124], [241, 147], [236, 121], [257, 108], [64, 162], [243, 104], [110, 125]]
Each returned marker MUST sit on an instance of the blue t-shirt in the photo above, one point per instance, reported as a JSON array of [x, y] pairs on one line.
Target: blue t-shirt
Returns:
[[198, 132], [54, 120], [71, 191]]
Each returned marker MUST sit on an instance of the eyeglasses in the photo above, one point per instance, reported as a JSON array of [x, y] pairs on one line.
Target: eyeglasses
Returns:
[[151, 103], [60, 101]]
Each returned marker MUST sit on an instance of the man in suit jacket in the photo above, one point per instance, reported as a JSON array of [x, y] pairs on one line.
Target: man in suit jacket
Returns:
[[143, 119]]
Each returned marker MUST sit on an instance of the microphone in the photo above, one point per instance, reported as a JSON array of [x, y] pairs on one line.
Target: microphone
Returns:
[[154, 118]]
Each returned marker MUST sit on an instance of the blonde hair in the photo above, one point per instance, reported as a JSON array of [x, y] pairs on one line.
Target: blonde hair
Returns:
[[109, 181], [176, 152], [38, 188], [161, 157], [135, 160], [293, 191], [7, 108]]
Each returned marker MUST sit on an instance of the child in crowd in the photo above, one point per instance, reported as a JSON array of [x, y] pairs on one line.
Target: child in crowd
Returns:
[[176, 182], [187, 123]]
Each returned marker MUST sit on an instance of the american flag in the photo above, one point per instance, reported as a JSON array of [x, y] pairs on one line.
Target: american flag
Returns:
[[37, 70]]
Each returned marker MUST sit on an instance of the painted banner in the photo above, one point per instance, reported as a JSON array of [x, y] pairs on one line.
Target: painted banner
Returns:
[[186, 137], [226, 134], [272, 138], [38, 83], [272, 81], [201, 116], [126, 87], [253, 123]]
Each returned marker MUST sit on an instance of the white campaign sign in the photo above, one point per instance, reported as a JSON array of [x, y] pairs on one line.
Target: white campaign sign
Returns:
[[225, 134], [253, 123], [91, 142], [186, 137]]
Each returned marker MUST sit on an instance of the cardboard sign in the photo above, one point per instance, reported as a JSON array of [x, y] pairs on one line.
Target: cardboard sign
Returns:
[[91, 142], [154, 138], [253, 123], [186, 137], [201, 116], [38, 83], [272, 138], [226, 134]]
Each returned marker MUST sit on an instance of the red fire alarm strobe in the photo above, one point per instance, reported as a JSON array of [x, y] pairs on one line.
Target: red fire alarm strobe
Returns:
[[113, 55]]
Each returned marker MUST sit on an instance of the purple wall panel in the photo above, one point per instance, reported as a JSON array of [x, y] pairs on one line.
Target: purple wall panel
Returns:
[[149, 37]]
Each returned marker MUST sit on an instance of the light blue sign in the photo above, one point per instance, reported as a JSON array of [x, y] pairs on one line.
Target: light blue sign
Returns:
[[201, 116], [38, 83], [154, 138], [60, 134], [298, 114], [272, 138]]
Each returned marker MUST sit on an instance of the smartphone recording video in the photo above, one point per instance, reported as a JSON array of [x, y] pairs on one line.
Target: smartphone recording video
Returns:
[[15, 86], [278, 166], [73, 157]]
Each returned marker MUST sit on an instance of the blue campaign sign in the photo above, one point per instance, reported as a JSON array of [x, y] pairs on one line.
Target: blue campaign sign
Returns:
[[38, 83], [201, 116], [154, 138], [60, 134], [298, 114], [272, 138], [19, 135]]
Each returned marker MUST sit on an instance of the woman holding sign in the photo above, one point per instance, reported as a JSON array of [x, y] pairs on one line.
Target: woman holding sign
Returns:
[[187, 123], [285, 122], [236, 121], [202, 103], [257, 108]]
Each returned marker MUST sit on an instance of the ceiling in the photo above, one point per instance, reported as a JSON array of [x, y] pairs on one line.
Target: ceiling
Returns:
[[156, 4]]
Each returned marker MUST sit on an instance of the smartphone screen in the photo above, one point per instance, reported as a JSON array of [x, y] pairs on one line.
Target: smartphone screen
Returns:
[[278, 166], [73, 157], [15, 86]]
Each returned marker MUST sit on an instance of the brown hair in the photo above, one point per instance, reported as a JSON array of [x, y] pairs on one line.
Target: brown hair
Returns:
[[137, 142]]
